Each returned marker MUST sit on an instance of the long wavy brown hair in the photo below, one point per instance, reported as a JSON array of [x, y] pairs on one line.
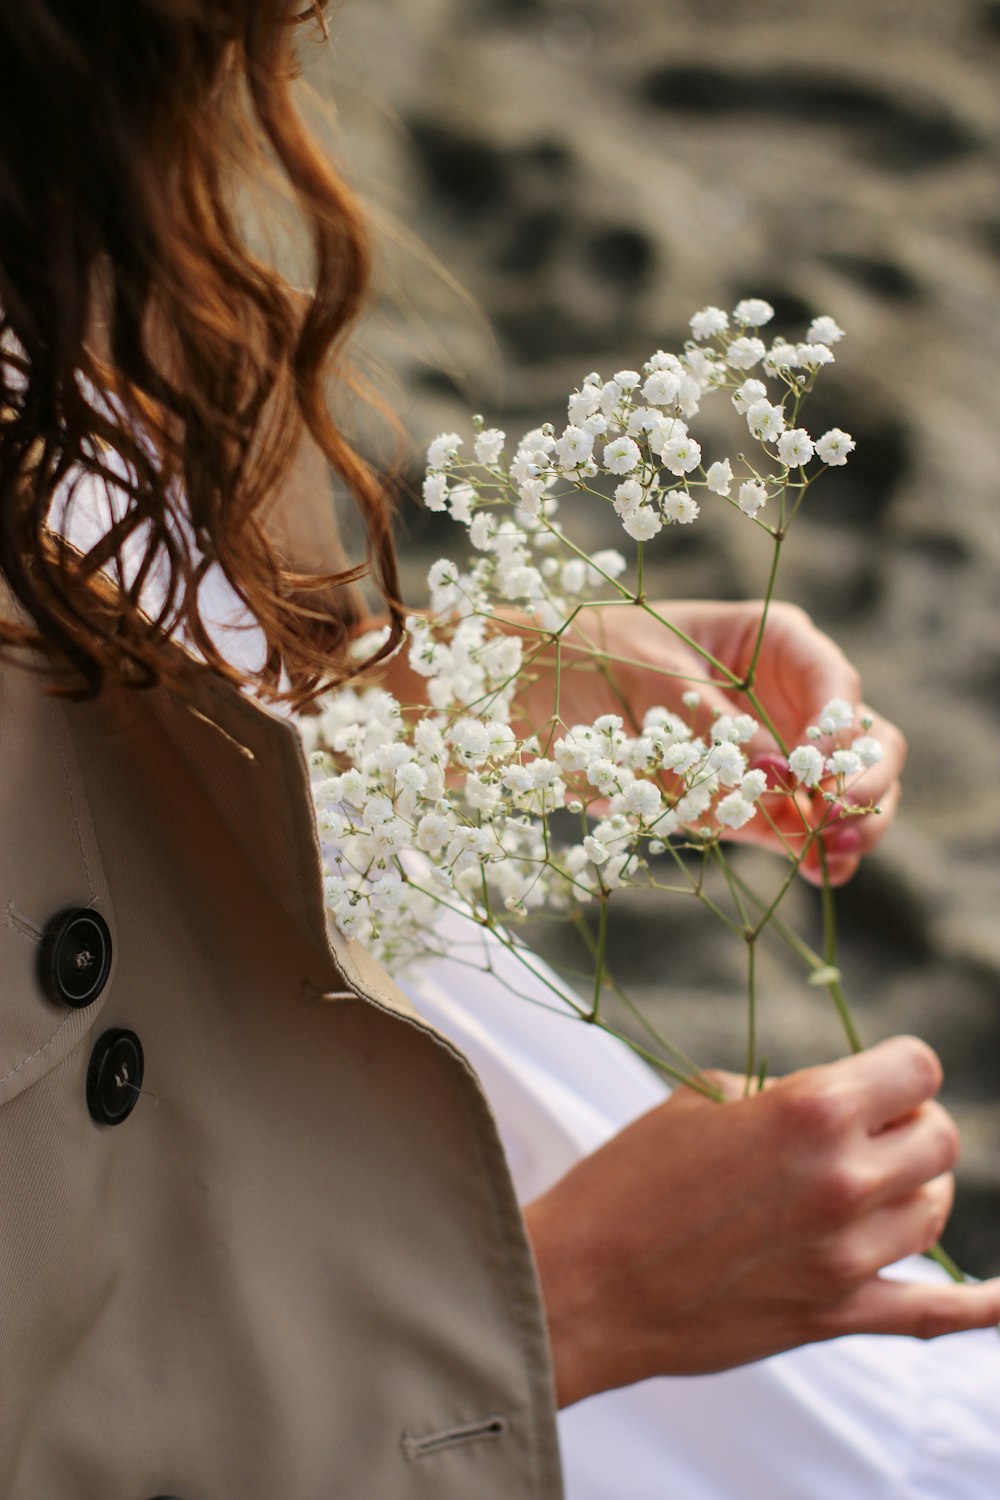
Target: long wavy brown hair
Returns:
[[127, 129]]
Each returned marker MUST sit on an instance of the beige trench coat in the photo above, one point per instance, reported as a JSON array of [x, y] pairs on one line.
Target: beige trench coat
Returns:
[[295, 1270]]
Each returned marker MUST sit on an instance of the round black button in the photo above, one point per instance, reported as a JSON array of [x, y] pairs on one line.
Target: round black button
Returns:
[[114, 1076], [75, 957]]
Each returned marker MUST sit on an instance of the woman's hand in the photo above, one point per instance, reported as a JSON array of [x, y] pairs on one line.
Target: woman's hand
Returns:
[[704, 1236], [798, 671]]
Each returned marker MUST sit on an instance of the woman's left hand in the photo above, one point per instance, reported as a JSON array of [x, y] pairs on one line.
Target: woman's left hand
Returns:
[[798, 671]]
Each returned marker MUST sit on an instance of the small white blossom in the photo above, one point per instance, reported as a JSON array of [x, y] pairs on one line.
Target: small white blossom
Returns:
[[765, 421], [733, 811], [489, 445], [603, 774], [795, 447], [806, 765], [661, 388], [752, 497], [643, 799], [720, 477], [680, 507], [744, 353], [443, 450], [753, 785], [583, 404], [727, 762], [621, 456], [709, 322], [836, 715], [824, 330], [574, 447], [597, 852], [753, 312], [749, 392], [868, 750], [834, 446], [628, 495], [435, 491], [681, 455], [642, 524], [814, 356], [844, 763]]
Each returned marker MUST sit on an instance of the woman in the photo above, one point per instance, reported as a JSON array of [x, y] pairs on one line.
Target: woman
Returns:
[[257, 1244]]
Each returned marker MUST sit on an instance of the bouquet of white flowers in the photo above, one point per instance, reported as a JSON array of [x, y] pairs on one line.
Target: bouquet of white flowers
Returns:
[[481, 799], [456, 803]]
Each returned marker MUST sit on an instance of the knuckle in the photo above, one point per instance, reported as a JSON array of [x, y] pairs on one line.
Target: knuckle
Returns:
[[935, 1318], [845, 1189], [844, 1264], [815, 1108]]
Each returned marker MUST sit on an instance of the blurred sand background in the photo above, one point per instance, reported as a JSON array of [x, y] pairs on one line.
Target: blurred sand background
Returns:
[[593, 173]]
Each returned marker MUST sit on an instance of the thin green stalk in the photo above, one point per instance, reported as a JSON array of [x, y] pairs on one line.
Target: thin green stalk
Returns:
[[751, 1015]]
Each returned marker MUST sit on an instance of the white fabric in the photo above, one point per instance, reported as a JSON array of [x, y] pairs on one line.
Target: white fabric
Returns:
[[859, 1419], [867, 1418]]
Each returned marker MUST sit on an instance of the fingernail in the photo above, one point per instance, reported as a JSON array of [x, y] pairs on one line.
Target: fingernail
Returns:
[[775, 767], [844, 839]]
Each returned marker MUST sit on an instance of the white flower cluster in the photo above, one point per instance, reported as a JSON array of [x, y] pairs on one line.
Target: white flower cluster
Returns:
[[632, 432], [449, 804], [421, 812]]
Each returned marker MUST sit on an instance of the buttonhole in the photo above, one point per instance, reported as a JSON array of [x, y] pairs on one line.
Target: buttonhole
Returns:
[[452, 1437]]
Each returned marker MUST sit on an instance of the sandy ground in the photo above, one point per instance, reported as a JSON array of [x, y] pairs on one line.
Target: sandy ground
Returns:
[[590, 174]]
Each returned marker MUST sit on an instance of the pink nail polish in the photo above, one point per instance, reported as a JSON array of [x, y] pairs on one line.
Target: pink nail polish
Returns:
[[843, 840]]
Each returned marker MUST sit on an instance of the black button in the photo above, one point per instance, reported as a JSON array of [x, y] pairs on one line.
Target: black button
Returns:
[[114, 1076], [75, 957]]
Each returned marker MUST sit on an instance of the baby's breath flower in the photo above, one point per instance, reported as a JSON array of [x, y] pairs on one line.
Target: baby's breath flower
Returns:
[[661, 388], [621, 456], [443, 450], [680, 507], [642, 523], [753, 785], [753, 312], [813, 356], [435, 491], [806, 765], [795, 447], [836, 715], [489, 445], [681, 454], [868, 750], [574, 447], [765, 421], [597, 852], [709, 322], [744, 353], [834, 446], [752, 497], [733, 811], [749, 392], [720, 477], [824, 330], [844, 763]]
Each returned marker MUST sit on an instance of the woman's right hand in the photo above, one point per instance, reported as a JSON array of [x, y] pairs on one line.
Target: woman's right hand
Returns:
[[705, 1236]]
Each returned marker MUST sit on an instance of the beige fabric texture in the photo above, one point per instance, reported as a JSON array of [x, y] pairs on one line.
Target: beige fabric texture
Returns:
[[297, 1270]]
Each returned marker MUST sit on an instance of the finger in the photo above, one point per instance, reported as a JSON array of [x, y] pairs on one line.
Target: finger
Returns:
[[919, 1310], [888, 1080], [914, 1151], [847, 842], [908, 1226]]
